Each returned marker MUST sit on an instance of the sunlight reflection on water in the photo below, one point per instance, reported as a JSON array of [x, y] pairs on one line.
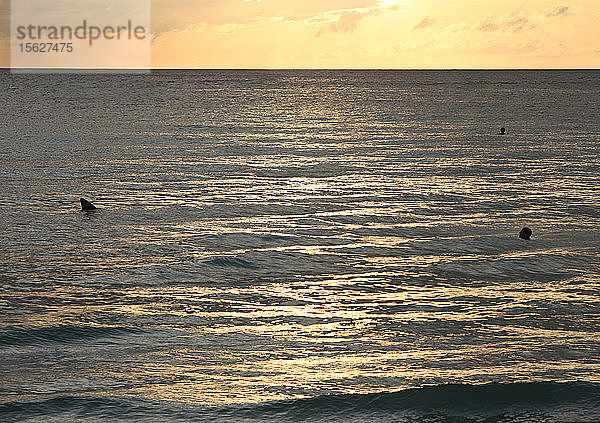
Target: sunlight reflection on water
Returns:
[[307, 241]]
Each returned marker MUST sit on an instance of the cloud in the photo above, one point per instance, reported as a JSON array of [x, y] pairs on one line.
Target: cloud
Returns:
[[516, 23], [347, 22], [425, 23], [488, 25], [171, 15], [559, 11], [512, 23]]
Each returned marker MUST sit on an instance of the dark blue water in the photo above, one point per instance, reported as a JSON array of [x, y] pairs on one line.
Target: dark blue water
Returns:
[[540, 402], [300, 246]]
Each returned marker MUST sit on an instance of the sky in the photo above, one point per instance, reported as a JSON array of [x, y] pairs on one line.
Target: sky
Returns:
[[404, 34], [377, 33]]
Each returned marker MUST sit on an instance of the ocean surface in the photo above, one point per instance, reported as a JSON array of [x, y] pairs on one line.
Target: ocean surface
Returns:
[[300, 246]]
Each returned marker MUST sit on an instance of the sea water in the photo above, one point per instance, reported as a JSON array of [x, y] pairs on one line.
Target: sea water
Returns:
[[300, 246]]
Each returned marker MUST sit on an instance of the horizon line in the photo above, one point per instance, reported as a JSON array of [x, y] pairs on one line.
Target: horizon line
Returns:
[[141, 70]]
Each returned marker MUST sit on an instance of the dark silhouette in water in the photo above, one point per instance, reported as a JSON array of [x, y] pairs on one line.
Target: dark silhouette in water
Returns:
[[86, 205], [525, 233], [502, 131]]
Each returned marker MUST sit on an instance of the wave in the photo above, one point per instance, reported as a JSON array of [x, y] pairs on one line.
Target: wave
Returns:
[[516, 402], [451, 400], [229, 261], [19, 336], [78, 408]]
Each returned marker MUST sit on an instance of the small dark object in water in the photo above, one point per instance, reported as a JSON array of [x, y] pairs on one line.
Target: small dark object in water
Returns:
[[86, 205], [525, 233], [502, 131]]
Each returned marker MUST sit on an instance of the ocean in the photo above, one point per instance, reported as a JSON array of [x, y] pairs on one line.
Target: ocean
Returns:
[[301, 246]]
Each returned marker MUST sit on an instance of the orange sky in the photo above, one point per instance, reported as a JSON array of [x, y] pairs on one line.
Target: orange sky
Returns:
[[375, 34]]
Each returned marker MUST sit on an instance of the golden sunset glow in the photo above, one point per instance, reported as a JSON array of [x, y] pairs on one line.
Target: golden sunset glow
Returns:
[[376, 34], [401, 34]]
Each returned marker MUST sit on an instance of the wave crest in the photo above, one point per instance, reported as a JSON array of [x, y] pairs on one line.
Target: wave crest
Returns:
[[517, 402]]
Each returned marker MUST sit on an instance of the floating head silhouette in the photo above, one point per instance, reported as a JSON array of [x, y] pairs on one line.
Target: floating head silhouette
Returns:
[[502, 131], [86, 205], [525, 233]]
